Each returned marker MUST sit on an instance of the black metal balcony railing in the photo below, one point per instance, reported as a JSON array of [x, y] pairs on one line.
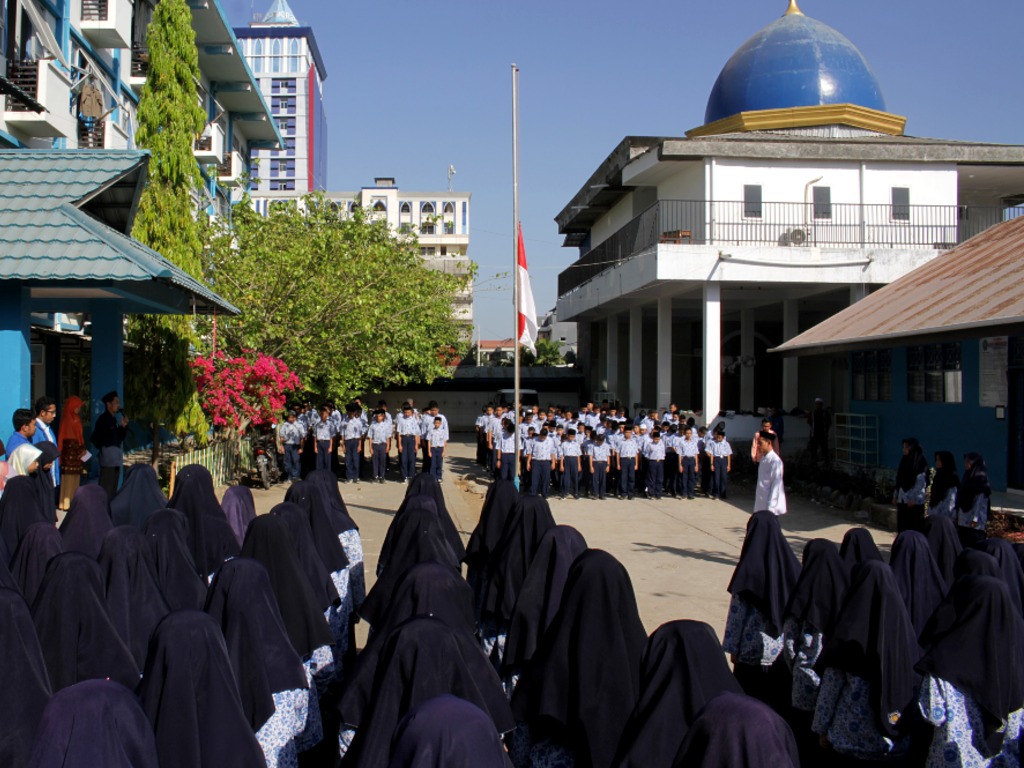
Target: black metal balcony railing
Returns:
[[140, 60], [204, 144], [840, 225], [25, 76], [91, 134], [94, 10], [225, 167]]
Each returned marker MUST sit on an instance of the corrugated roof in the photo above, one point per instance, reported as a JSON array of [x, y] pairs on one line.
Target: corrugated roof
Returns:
[[975, 287], [33, 179]]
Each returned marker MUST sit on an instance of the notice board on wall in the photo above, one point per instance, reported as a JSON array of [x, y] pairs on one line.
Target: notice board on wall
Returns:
[[994, 356]]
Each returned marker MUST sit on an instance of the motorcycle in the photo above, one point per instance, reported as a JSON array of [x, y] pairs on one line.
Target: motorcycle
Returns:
[[264, 450]]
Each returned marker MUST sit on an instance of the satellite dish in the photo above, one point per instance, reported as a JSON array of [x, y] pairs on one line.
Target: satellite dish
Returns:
[[798, 236]]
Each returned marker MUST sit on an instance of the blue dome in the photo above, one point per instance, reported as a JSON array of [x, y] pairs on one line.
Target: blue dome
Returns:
[[795, 61]]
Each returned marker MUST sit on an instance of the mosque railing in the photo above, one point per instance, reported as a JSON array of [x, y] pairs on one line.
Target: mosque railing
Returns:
[[793, 225]]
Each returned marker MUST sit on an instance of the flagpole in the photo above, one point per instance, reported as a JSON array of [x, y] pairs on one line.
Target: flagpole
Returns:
[[515, 258]]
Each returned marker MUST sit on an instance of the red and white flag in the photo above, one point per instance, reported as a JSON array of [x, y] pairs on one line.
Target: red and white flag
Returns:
[[527, 309]]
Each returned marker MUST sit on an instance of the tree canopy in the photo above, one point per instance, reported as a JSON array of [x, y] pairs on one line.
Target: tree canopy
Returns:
[[346, 302]]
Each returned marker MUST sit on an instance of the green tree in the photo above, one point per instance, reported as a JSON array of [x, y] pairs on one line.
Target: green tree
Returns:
[[159, 383], [346, 302], [548, 354]]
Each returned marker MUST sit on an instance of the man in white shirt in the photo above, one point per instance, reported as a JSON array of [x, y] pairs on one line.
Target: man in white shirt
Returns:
[[771, 493]]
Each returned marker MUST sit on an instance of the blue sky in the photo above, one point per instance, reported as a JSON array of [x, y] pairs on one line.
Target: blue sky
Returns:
[[415, 86]]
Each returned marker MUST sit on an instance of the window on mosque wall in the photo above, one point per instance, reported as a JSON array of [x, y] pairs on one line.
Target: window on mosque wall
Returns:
[[934, 374], [872, 375], [822, 202], [752, 201], [901, 203]]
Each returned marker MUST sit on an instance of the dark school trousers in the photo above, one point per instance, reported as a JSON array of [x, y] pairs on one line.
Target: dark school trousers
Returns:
[[380, 459], [506, 470], [688, 476], [627, 476], [408, 457], [436, 461], [540, 477], [571, 476], [671, 472], [352, 459], [323, 454], [705, 473], [720, 477], [599, 478], [655, 477], [641, 476], [292, 465]]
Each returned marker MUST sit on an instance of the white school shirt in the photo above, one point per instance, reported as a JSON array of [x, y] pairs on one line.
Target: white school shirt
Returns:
[[770, 493]]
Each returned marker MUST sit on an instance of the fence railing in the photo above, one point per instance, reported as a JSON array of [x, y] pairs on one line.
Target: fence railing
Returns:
[[224, 460], [94, 10], [838, 225]]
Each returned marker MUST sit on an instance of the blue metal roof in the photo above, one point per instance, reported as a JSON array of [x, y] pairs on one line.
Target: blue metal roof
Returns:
[[31, 179]]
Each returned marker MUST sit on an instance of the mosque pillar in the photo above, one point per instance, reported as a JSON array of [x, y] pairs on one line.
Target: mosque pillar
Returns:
[[636, 356], [790, 365], [15, 351], [107, 356], [746, 363], [712, 350], [664, 357], [611, 371]]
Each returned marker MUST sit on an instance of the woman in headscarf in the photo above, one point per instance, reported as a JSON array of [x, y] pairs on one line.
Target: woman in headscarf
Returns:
[[446, 732], [867, 670], [278, 695], [240, 510], [94, 723], [973, 500], [23, 461], [760, 587], [682, 669], [24, 681], [134, 600], [736, 731], [79, 640], [1009, 567], [20, 508], [944, 486], [424, 484], [40, 544], [911, 483], [269, 541], [139, 496], [945, 544], [71, 443], [858, 547], [499, 502], [211, 539], [43, 477], [190, 696], [87, 522], [918, 577], [973, 686], [166, 533], [346, 529], [539, 599], [574, 698]]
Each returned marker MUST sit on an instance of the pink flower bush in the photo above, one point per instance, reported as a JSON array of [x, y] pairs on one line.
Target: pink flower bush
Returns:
[[248, 389]]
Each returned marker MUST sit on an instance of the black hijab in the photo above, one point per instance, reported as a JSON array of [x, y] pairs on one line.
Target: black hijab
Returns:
[[310, 500], [19, 508], [499, 502], [512, 556], [945, 478], [584, 680], [24, 681], [78, 639], [269, 541], [39, 545], [211, 539], [1009, 566], [858, 547], [134, 600], [240, 510], [874, 639], [139, 497], [683, 667], [424, 484], [541, 593], [974, 484], [43, 479], [945, 544], [166, 532], [979, 648], [767, 570], [446, 732], [243, 605], [94, 723], [87, 522], [317, 573], [327, 483], [918, 577], [421, 659], [736, 731], [911, 464], [190, 696], [818, 592]]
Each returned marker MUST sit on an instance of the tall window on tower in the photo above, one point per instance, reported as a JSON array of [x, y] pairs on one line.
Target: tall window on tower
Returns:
[[822, 202]]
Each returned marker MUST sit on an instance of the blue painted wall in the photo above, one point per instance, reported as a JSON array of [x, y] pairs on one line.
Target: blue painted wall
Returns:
[[956, 427], [15, 331]]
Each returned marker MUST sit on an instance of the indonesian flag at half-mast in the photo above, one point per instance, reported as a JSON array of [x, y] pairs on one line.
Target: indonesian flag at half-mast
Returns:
[[527, 309]]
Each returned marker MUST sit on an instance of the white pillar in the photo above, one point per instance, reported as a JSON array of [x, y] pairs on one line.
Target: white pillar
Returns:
[[636, 357], [712, 350], [790, 365], [612, 354], [747, 353], [664, 359]]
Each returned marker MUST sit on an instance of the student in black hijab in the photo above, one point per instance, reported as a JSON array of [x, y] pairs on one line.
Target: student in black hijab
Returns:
[[87, 522], [973, 500], [40, 544], [973, 686], [134, 600], [43, 478], [447, 732], [139, 497], [211, 539], [499, 502], [858, 547], [94, 723], [682, 669], [176, 574], [918, 577], [1009, 566], [346, 529], [78, 639], [576, 695], [945, 544], [190, 696], [736, 731], [944, 487], [911, 483], [974, 562], [760, 587], [867, 670], [424, 484], [240, 510], [317, 572], [24, 681], [19, 508]]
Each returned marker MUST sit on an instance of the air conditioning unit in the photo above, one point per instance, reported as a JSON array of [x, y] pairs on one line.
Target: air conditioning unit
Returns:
[[796, 236]]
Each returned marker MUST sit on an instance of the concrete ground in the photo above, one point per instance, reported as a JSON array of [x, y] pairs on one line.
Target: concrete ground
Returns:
[[679, 554]]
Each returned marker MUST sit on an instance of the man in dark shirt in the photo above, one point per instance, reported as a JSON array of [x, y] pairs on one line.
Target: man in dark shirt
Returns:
[[108, 435]]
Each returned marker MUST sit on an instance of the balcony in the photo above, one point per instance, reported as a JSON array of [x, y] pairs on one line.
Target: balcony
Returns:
[[209, 148], [102, 134], [795, 225], [107, 23], [139, 66], [231, 170], [47, 84]]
